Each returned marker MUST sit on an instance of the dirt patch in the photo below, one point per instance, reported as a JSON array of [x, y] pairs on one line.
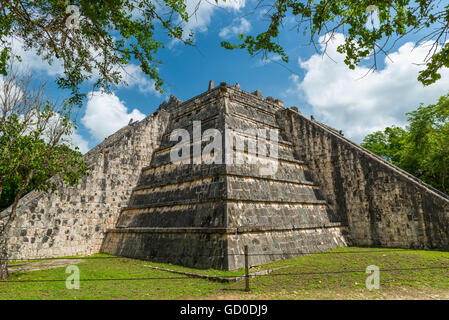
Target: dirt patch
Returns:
[[44, 264], [386, 293]]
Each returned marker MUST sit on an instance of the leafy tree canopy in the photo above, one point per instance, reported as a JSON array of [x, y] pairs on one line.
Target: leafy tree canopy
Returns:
[[94, 39], [422, 148], [35, 150], [388, 143], [365, 36]]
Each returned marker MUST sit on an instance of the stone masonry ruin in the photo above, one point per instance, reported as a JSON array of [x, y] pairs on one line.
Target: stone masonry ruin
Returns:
[[327, 192]]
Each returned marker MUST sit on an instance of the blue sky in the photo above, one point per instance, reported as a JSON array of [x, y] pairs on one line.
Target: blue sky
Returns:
[[315, 83]]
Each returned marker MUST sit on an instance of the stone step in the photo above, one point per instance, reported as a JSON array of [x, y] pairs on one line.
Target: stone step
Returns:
[[243, 135], [237, 120], [237, 188], [224, 230], [160, 183], [210, 214], [205, 189], [162, 159], [248, 214], [223, 199], [167, 174], [238, 214]]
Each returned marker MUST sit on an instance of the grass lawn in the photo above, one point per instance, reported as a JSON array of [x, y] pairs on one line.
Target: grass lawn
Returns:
[[335, 274]]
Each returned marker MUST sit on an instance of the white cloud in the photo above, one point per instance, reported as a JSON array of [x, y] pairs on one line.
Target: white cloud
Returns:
[[134, 77], [200, 14], [33, 62], [78, 141], [267, 60], [242, 26], [358, 104], [74, 139], [105, 114], [131, 73]]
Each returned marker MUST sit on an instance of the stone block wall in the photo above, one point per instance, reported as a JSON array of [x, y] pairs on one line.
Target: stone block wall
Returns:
[[268, 244], [383, 205], [192, 247], [73, 220], [281, 215]]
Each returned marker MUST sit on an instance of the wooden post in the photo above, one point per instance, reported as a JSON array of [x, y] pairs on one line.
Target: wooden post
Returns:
[[246, 270]]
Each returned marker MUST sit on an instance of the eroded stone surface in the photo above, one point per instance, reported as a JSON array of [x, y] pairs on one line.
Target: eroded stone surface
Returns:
[[43, 265], [73, 220], [203, 215], [327, 192], [383, 204]]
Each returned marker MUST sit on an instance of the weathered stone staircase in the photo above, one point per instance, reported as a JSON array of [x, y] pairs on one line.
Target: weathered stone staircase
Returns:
[[202, 215], [326, 192]]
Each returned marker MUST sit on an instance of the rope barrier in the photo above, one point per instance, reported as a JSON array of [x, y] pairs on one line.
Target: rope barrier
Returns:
[[230, 277], [212, 256]]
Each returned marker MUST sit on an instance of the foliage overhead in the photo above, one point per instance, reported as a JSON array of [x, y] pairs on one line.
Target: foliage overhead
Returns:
[[93, 39], [35, 149], [365, 36]]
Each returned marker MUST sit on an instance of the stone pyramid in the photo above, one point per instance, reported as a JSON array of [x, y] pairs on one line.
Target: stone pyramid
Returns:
[[202, 214], [280, 183]]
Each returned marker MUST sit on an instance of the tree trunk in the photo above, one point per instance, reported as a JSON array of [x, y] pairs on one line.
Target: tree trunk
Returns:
[[1, 189], [6, 226], [4, 275]]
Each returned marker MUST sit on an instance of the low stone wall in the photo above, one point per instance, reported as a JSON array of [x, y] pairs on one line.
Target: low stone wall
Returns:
[[383, 205], [222, 248], [267, 245], [73, 220], [202, 248]]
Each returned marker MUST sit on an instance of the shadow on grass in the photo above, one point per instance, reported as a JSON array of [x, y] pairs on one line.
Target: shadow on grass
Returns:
[[233, 289]]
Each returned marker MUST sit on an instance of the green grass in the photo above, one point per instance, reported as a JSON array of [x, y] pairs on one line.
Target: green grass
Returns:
[[325, 275]]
